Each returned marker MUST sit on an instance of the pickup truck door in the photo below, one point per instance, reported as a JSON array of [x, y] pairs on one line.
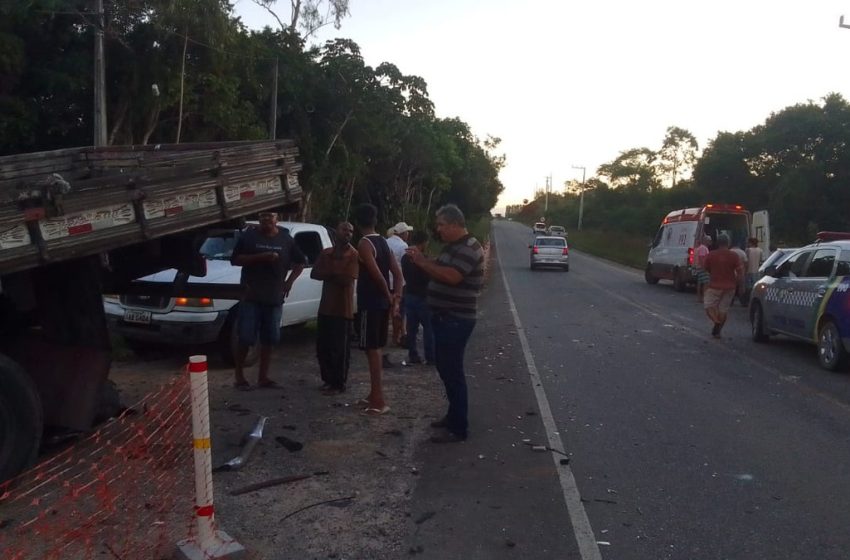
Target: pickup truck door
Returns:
[[303, 301]]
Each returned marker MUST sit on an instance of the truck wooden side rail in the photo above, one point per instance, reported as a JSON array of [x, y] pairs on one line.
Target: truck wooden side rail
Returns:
[[74, 222]]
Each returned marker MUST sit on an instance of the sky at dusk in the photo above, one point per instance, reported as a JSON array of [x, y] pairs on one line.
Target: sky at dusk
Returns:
[[566, 83]]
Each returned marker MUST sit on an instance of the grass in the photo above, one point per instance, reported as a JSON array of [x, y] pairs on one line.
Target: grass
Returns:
[[627, 249]]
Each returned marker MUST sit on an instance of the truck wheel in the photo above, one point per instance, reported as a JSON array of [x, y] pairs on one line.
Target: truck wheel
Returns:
[[648, 276], [229, 342], [21, 419], [679, 282]]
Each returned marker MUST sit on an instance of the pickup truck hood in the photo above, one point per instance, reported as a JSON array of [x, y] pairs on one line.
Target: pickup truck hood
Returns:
[[218, 272]]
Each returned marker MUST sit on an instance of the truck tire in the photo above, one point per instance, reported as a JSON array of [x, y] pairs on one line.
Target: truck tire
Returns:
[[228, 342], [650, 278], [21, 419], [679, 282]]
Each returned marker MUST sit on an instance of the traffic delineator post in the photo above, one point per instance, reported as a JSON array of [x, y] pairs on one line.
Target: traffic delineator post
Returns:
[[207, 542]]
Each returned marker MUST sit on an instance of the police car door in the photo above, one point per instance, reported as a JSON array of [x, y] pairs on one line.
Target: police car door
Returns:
[[810, 290], [782, 298]]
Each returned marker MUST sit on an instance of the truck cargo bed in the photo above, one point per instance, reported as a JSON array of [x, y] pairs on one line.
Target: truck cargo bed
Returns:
[[65, 204]]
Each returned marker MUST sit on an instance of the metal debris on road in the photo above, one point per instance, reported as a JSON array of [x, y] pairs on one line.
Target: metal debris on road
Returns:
[[248, 443], [269, 484]]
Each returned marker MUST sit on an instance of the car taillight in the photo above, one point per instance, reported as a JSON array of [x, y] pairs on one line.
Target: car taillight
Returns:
[[690, 256], [535, 250], [193, 302], [566, 251]]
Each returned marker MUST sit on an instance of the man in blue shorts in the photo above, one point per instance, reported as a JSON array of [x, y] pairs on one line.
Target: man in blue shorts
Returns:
[[266, 254]]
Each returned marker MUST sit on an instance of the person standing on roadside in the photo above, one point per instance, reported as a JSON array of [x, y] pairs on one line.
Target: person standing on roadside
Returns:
[[741, 290], [337, 267], [415, 303], [397, 240], [725, 269], [375, 302], [457, 276], [266, 254], [755, 258], [699, 269]]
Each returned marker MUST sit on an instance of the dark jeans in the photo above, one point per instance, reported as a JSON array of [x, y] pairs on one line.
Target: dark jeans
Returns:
[[417, 312], [450, 337], [333, 349]]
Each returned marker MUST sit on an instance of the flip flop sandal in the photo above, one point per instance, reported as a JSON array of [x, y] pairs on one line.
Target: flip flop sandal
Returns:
[[376, 411]]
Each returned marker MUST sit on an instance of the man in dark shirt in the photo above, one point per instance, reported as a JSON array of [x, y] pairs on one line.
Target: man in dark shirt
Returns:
[[375, 301], [456, 279], [416, 309], [266, 253], [337, 267]]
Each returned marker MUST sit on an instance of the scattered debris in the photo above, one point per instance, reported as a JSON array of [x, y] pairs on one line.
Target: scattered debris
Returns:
[[603, 543], [269, 484], [288, 515], [290, 444], [425, 517], [248, 443], [565, 461], [605, 501]]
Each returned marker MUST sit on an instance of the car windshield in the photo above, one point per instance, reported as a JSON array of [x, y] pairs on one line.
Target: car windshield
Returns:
[[775, 258], [218, 248], [559, 242]]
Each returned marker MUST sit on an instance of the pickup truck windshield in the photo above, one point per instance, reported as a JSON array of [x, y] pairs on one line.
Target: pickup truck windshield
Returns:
[[218, 248]]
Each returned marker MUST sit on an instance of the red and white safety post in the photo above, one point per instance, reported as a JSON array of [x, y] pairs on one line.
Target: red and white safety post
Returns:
[[208, 542]]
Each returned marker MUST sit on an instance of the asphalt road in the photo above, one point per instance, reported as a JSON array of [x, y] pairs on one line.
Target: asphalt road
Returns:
[[681, 446]]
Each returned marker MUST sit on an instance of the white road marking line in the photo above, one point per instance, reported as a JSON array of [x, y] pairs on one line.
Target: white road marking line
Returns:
[[587, 544]]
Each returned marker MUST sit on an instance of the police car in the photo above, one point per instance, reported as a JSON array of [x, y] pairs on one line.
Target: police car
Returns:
[[807, 296]]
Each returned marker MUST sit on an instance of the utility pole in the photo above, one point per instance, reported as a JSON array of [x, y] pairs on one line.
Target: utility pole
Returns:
[[546, 205], [273, 105], [99, 78], [581, 196]]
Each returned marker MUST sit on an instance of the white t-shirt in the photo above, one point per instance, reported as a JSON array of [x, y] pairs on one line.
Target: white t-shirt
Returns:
[[755, 257], [398, 247]]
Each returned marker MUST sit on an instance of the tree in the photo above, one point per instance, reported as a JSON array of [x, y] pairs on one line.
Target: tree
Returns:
[[309, 16], [678, 153], [634, 168]]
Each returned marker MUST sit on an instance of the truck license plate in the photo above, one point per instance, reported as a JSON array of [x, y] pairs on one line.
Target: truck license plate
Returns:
[[136, 316]]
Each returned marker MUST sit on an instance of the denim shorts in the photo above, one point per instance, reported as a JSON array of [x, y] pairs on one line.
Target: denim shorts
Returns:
[[259, 319]]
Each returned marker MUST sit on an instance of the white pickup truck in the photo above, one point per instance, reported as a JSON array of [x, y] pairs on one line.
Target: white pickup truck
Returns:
[[160, 319]]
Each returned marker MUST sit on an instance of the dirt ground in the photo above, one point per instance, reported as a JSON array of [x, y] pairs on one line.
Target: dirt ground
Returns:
[[369, 460]]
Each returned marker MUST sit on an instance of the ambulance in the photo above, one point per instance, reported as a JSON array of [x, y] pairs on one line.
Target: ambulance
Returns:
[[671, 254]]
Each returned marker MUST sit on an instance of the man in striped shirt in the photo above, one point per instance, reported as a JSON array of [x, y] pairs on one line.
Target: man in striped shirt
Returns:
[[456, 279]]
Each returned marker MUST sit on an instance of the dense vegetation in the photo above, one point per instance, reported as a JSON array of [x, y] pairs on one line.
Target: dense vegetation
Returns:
[[189, 70], [796, 165]]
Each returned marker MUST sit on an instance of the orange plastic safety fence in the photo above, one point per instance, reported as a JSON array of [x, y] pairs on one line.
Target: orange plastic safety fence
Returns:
[[124, 492]]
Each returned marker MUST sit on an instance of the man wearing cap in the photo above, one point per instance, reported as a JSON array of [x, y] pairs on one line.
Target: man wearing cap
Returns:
[[398, 245]]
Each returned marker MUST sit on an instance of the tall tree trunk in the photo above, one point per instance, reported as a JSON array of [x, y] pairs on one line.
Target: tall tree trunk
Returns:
[[153, 121], [182, 80], [118, 122]]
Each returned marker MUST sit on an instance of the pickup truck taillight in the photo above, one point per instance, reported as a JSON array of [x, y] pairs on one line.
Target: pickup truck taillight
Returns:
[[566, 251], [535, 250], [193, 302], [690, 256]]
